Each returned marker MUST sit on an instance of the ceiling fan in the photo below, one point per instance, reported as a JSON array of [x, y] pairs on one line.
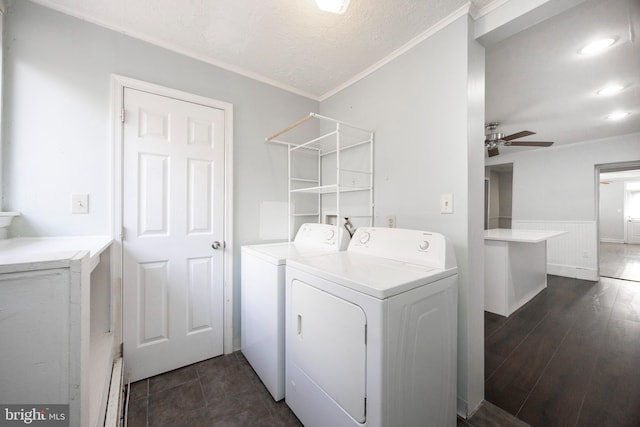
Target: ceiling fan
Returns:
[[493, 139]]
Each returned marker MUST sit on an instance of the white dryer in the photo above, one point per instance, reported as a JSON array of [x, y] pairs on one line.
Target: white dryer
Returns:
[[262, 297], [371, 332]]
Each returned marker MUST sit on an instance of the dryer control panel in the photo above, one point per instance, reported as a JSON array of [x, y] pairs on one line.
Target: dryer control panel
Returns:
[[413, 246]]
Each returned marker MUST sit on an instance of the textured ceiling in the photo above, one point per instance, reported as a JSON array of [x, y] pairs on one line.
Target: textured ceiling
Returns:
[[535, 80], [289, 43]]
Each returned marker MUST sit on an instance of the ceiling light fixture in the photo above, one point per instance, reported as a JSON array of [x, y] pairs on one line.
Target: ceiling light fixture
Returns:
[[610, 90], [618, 115], [333, 6], [597, 46]]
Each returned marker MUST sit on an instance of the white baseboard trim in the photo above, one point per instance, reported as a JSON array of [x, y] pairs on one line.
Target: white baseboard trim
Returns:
[[115, 403], [573, 272], [606, 240]]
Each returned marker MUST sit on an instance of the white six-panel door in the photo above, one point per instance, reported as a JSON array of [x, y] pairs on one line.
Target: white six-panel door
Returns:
[[173, 212]]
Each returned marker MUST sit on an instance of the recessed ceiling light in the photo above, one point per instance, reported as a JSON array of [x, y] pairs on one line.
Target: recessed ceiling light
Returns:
[[597, 46], [610, 90], [618, 115], [333, 6]]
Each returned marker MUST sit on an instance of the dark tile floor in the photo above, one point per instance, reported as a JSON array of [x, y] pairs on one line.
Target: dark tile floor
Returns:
[[225, 391], [570, 357]]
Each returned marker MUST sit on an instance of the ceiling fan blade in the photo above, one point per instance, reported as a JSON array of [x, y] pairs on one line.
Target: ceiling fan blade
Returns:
[[517, 135], [531, 143], [492, 151]]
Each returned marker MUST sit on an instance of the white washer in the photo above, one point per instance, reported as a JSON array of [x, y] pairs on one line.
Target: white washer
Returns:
[[371, 332], [262, 297]]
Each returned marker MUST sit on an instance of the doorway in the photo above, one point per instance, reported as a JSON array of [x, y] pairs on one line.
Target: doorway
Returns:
[[498, 196], [172, 216], [619, 221]]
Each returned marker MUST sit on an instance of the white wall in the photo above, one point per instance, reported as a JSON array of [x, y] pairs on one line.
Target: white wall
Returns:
[[423, 105], [56, 122], [558, 183], [611, 214], [557, 186]]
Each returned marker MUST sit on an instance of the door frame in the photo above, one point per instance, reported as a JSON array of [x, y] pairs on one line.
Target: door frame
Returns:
[[118, 84], [601, 168]]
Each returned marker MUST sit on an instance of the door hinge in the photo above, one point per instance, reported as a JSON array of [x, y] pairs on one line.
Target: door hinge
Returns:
[[122, 115], [123, 234]]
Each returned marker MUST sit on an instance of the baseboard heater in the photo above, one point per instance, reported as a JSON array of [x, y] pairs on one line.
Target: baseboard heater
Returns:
[[115, 403]]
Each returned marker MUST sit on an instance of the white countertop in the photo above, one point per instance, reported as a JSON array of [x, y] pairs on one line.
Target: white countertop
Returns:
[[524, 236], [27, 250]]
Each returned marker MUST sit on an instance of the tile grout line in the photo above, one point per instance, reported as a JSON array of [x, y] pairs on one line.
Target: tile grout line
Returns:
[[146, 418], [204, 400]]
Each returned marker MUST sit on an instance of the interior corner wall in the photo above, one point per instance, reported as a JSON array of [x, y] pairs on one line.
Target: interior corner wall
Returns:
[[56, 123], [418, 105]]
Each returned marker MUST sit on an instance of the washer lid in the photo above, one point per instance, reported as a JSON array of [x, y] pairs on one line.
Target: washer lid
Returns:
[[278, 253], [378, 277]]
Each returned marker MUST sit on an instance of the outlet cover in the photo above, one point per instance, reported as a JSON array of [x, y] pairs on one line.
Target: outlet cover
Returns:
[[391, 221], [79, 203]]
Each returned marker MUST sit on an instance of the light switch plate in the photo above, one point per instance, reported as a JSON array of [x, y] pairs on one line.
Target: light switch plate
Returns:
[[79, 203], [446, 203]]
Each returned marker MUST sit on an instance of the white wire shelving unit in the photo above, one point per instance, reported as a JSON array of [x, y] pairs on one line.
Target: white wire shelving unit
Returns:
[[343, 157]]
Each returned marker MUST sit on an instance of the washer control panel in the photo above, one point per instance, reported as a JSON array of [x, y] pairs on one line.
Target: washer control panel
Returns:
[[322, 236]]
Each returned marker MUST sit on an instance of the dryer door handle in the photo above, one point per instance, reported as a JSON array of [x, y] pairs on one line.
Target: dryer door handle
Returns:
[[299, 324]]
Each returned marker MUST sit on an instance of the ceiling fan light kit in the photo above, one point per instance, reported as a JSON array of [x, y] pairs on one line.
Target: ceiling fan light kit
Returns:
[[493, 139]]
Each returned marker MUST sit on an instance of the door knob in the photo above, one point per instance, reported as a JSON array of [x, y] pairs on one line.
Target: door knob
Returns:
[[216, 245]]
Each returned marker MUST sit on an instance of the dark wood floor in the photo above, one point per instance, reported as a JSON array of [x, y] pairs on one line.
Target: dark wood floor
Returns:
[[620, 261], [570, 357]]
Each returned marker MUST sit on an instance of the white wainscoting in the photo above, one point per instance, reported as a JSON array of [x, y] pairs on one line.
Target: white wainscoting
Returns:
[[571, 255]]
